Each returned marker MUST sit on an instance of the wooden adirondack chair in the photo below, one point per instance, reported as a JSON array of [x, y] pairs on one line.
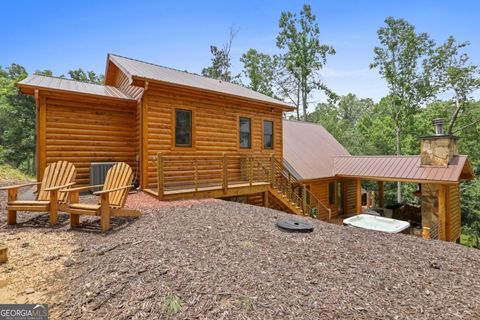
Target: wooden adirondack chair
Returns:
[[57, 176], [112, 198]]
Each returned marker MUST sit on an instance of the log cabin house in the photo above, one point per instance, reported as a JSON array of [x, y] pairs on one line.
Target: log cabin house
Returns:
[[188, 136]]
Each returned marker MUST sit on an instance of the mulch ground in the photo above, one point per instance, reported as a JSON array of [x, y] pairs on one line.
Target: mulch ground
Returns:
[[224, 260]]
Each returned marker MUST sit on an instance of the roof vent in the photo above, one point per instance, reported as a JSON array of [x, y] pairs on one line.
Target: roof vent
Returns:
[[438, 123]]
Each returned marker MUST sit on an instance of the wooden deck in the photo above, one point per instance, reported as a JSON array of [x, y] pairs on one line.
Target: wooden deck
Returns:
[[212, 191], [202, 176]]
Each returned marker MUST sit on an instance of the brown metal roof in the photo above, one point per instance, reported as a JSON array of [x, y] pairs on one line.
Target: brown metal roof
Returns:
[[67, 85], [310, 150], [401, 168], [144, 70]]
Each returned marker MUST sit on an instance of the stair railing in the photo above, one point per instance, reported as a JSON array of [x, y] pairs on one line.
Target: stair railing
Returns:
[[297, 193]]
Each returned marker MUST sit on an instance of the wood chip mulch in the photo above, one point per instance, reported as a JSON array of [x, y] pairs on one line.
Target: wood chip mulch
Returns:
[[224, 260]]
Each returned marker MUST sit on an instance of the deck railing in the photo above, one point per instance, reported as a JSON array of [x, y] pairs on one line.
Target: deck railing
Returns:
[[298, 194], [192, 173]]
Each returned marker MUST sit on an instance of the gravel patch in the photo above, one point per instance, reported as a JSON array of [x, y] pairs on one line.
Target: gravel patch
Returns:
[[214, 259]]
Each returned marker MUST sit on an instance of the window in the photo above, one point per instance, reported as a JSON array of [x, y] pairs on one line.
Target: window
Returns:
[[268, 134], [183, 128], [245, 132], [331, 193]]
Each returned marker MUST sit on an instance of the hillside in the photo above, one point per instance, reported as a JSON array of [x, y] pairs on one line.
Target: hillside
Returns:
[[216, 259]]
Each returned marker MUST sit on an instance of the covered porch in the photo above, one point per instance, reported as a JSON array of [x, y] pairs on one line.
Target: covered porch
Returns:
[[438, 188]]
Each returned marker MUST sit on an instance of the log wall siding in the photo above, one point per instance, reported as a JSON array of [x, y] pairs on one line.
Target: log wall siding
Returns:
[[215, 124], [350, 195], [453, 220], [255, 199], [84, 131], [320, 190]]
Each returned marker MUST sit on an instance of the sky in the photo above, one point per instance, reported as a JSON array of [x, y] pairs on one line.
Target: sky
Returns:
[[65, 35]]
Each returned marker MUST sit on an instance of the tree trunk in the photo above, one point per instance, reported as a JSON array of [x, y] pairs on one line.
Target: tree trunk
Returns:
[[399, 152], [304, 99], [298, 101], [455, 114]]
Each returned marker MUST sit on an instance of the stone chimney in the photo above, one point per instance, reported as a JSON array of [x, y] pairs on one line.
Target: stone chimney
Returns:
[[438, 150]]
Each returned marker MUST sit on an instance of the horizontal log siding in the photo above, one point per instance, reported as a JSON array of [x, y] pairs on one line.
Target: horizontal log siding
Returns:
[[215, 125], [320, 190], [83, 131], [255, 199], [453, 213]]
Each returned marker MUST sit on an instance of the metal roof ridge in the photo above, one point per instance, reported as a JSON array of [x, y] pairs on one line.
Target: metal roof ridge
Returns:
[[178, 70]]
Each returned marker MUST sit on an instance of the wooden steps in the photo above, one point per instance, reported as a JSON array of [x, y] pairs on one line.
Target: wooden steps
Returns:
[[285, 201]]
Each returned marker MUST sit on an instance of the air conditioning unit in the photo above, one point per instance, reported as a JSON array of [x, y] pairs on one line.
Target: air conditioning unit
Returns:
[[98, 172]]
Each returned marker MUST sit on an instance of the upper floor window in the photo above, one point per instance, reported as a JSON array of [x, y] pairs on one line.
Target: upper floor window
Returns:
[[183, 128], [267, 134], [245, 135]]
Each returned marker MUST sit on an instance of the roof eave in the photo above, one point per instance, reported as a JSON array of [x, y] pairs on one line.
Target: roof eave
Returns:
[[24, 88], [393, 179]]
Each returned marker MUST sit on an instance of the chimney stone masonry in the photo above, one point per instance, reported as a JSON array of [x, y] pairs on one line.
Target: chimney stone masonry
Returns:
[[438, 150]]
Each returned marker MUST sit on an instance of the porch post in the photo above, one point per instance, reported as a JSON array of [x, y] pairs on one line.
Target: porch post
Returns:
[[380, 194], [358, 207], [442, 215]]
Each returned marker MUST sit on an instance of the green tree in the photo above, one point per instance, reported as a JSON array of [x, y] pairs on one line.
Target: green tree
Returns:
[[17, 121], [86, 76], [342, 119], [259, 68], [305, 56], [454, 72], [403, 61], [222, 61]]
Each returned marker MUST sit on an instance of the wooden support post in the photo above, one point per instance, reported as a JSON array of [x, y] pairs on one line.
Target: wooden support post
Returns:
[[304, 199], [442, 214], [225, 173], [3, 253], [265, 199], [381, 197], [42, 138], [144, 138], [426, 233], [160, 181], [12, 215], [373, 203], [53, 207], [104, 212], [74, 218], [369, 194], [358, 207]]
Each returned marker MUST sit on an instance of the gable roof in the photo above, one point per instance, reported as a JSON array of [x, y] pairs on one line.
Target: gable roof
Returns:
[[140, 70], [402, 168], [310, 150], [67, 85]]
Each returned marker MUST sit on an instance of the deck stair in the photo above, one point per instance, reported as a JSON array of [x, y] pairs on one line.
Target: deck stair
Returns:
[[202, 176]]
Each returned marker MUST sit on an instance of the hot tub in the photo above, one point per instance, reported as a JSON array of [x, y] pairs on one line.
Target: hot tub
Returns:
[[376, 223]]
